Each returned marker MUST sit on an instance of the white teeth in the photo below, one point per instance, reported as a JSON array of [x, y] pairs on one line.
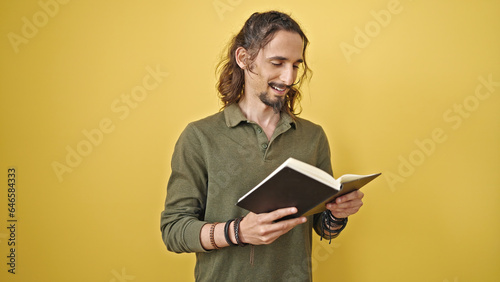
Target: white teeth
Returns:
[[278, 88]]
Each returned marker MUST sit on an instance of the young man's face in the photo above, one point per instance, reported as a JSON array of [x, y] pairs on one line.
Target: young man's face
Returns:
[[275, 69]]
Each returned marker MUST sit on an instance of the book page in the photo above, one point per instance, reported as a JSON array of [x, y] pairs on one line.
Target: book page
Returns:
[[313, 172], [351, 177]]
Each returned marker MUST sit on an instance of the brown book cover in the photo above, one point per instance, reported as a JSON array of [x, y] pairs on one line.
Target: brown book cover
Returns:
[[301, 185]]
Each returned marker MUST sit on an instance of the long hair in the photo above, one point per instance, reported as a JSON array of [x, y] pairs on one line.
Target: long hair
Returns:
[[257, 32]]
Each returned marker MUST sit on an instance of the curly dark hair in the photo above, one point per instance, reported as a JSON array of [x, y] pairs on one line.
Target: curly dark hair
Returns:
[[257, 32]]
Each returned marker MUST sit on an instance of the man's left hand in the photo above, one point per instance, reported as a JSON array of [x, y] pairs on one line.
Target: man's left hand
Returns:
[[346, 205]]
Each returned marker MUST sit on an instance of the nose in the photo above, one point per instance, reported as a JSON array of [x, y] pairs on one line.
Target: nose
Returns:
[[288, 75]]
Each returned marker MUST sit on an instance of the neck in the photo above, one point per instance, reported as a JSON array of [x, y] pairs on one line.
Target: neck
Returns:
[[259, 113]]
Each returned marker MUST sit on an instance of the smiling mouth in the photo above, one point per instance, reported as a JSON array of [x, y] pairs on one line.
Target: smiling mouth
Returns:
[[277, 87]]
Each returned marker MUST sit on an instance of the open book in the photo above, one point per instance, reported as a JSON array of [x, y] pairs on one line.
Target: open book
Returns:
[[301, 185]]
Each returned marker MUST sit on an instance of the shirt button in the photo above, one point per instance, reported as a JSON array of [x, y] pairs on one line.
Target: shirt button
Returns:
[[259, 130], [264, 146]]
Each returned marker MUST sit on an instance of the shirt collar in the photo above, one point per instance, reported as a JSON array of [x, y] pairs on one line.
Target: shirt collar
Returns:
[[234, 116]]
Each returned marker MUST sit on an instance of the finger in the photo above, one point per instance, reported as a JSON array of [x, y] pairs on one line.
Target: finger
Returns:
[[350, 196], [282, 227], [356, 203], [279, 213], [344, 212], [262, 231]]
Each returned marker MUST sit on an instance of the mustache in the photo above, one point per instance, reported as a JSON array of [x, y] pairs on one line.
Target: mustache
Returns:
[[280, 85]]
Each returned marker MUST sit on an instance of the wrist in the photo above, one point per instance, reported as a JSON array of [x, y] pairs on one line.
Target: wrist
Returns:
[[336, 219], [237, 231], [332, 226], [333, 223], [229, 233], [213, 236]]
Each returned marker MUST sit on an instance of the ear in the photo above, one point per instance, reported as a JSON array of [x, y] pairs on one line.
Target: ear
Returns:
[[241, 56]]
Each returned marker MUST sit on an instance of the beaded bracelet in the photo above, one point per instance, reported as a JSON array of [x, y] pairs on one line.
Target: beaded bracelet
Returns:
[[236, 231], [212, 239], [226, 233]]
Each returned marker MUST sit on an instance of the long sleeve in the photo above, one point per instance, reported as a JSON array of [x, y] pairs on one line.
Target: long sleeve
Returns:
[[181, 220]]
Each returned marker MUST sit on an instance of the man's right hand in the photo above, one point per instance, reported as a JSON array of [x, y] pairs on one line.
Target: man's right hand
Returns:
[[261, 229]]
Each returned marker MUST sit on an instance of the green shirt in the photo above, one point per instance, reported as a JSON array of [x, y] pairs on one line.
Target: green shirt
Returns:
[[216, 161]]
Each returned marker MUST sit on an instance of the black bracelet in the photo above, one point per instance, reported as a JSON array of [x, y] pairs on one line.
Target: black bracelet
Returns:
[[226, 233], [338, 221], [328, 221], [337, 231], [237, 230]]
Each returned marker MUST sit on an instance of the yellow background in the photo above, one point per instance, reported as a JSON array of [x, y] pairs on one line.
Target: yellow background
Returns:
[[433, 216]]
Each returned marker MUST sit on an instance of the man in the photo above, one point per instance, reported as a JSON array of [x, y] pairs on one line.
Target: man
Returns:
[[220, 158]]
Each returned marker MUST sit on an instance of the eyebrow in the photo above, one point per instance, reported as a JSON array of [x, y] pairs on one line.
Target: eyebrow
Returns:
[[281, 58]]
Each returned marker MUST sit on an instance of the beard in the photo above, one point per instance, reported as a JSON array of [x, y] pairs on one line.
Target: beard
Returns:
[[276, 103]]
